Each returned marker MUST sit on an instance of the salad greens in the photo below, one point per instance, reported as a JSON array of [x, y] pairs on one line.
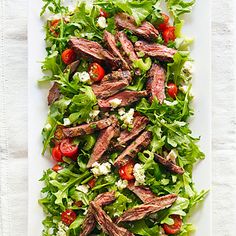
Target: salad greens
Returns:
[[77, 104]]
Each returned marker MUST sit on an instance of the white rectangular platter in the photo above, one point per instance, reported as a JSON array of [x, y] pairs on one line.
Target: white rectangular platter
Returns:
[[197, 26]]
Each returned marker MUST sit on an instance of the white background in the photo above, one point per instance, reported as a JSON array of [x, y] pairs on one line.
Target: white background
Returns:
[[13, 118]]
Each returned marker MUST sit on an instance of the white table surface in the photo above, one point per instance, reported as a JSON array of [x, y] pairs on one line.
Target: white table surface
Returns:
[[13, 117]]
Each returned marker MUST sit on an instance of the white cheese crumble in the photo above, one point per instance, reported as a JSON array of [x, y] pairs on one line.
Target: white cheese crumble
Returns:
[[84, 76], [188, 68], [121, 184], [128, 117], [48, 126], [168, 103], [94, 113], [172, 155], [101, 169], [62, 229], [121, 111], [102, 22], [139, 174], [66, 121], [115, 102], [83, 188]]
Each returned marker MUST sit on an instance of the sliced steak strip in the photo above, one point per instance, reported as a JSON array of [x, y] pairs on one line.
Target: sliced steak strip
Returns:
[[111, 43], [132, 150], [108, 88], [169, 165], [88, 128], [127, 46], [73, 67], [156, 83], [158, 51], [146, 30], [103, 142], [54, 94], [94, 50], [101, 200], [118, 75], [127, 98], [143, 210], [106, 222], [139, 124], [144, 193]]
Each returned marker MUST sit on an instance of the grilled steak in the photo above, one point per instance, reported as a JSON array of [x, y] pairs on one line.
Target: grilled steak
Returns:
[[127, 46], [143, 210], [169, 165], [146, 30], [108, 88], [156, 83], [106, 222], [94, 50], [88, 128], [158, 51], [101, 200], [144, 193], [73, 67], [127, 97], [54, 94], [131, 151], [111, 43], [103, 142], [118, 75], [139, 124]]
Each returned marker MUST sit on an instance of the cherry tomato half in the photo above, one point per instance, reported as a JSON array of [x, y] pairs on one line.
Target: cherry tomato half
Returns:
[[68, 217], [126, 171], [92, 182], [68, 56], [103, 13], [96, 72], [165, 22], [169, 34], [172, 90], [68, 149], [175, 228], [53, 27], [57, 154], [57, 168]]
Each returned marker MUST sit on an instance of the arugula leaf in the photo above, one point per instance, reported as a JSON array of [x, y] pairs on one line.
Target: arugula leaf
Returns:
[[53, 6], [141, 228]]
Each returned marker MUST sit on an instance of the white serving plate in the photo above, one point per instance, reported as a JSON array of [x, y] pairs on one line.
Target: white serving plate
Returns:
[[197, 26]]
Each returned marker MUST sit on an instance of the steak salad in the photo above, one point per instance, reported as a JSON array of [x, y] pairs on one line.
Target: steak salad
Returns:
[[117, 131]]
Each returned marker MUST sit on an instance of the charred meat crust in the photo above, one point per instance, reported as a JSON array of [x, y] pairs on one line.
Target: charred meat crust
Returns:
[[143, 210], [118, 75], [88, 128], [155, 50], [169, 165], [132, 150], [54, 93], [146, 30], [156, 83], [127, 98], [111, 44]]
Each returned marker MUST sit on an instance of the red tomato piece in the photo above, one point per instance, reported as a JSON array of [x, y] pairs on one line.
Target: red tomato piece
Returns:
[[57, 168], [172, 90], [68, 217], [92, 182], [169, 34], [53, 26], [68, 56], [68, 149], [96, 72], [126, 171], [165, 22], [175, 228], [57, 154], [103, 13]]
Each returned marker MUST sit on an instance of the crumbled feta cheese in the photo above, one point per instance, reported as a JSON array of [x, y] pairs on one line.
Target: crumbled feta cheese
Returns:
[[168, 103], [102, 23], [101, 169], [83, 188], [66, 121], [172, 155], [62, 229], [48, 126], [115, 102], [84, 76], [121, 184], [94, 113], [188, 68], [121, 111], [128, 117], [139, 174]]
